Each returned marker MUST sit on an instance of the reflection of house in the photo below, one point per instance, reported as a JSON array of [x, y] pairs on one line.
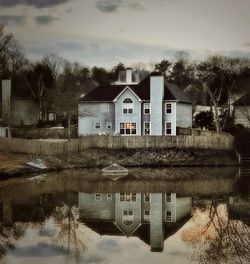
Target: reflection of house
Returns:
[[151, 107], [20, 107], [241, 113], [130, 214]]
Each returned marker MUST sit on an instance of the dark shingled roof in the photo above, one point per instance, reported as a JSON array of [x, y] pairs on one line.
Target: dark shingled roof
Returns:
[[244, 100], [108, 92]]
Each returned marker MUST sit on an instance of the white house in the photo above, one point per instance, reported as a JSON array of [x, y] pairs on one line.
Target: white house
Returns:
[[151, 107]]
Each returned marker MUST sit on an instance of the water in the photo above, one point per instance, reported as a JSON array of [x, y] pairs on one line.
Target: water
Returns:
[[187, 215]]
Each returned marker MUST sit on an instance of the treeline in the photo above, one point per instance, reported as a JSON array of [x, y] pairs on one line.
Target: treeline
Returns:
[[208, 82]]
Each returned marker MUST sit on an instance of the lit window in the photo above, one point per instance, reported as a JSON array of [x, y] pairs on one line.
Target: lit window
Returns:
[[104, 108], [127, 106], [168, 216], [98, 125], [168, 108], [109, 125], [97, 196], [128, 197], [168, 128], [128, 128], [147, 108], [146, 128], [146, 197], [168, 197]]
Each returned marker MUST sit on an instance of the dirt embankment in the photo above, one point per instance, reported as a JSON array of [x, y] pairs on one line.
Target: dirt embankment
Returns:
[[12, 164]]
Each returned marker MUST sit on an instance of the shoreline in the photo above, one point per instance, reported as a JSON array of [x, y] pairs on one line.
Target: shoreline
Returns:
[[14, 164]]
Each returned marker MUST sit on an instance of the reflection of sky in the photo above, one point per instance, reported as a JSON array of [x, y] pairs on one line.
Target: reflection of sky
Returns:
[[100, 249]]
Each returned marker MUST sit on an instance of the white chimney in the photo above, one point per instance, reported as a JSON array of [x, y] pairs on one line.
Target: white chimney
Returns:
[[156, 100], [128, 75], [6, 92]]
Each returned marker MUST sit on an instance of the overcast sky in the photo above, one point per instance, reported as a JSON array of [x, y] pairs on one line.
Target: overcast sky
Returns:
[[105, 32]]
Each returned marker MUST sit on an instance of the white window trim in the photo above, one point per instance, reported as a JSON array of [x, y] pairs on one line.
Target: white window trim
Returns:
[[166, 108], [130, 129], [147, 108], [97, 123], [171, 216], [166, 198], [145, 128], [109, 123], [98, 199], [166, 129], [109, 196], [128, 106], [148, 217], [145, 196]]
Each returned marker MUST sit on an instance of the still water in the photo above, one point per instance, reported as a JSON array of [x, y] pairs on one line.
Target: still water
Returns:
[[174, 215]]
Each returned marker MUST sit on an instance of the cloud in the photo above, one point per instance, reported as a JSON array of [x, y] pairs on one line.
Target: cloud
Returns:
[[108, 6], [35, 3], [12, 20], [136, 6], [247, 44], [109, 245], [45, 20]]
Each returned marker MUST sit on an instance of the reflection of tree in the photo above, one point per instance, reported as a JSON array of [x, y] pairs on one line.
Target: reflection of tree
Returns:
[[66, 238], [231, 240], [8, 235]]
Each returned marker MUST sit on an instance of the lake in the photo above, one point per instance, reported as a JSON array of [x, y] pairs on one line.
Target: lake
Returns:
[[170, 215]]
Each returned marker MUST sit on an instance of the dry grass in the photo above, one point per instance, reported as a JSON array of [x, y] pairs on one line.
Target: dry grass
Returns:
[[11, 163]]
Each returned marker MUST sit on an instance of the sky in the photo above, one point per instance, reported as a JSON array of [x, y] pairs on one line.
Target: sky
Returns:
[[106, 32]]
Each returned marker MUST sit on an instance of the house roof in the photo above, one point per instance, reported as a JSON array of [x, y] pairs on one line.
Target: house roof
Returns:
[[244, 100], [108, 92]]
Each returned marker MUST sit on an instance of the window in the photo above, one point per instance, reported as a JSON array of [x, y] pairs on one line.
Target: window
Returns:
[[98, 197], [146, 197], [146, 128], [168, 108], [109, 197], [147, 108], [128, 217], [128, 128], [97, 125], [128, 197], [127, 106], [168, 128], [109, 125], [146, 214], [168, 197], [104, 108], [168, 216]]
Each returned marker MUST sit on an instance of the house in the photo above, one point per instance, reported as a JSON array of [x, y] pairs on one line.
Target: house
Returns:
[[151, 107], [150, 216], [241, 110], [20, 106]]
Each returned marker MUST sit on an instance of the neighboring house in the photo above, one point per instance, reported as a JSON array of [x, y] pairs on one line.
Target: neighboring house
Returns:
[[150, 216], [152, 107], [20, 107], [69, 93], [241, 111]]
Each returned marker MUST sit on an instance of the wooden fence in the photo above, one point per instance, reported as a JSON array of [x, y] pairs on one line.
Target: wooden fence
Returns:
[[217, 141]]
